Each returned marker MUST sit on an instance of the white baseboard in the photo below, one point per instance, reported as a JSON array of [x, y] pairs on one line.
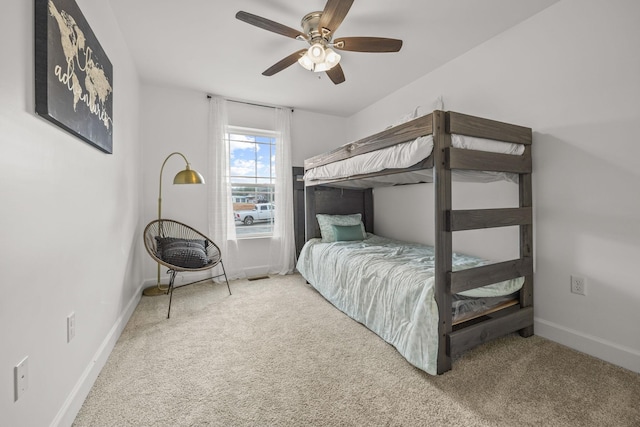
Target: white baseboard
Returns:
[[67, 414], [608, 351]]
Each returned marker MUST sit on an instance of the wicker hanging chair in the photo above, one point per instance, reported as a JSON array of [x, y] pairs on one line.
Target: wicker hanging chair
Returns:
[[181, 248]]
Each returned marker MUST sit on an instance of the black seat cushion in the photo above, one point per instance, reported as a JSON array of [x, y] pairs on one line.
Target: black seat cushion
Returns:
[[185, 253]]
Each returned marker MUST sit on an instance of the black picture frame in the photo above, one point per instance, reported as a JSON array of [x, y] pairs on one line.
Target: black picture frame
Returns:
[[73, 75]]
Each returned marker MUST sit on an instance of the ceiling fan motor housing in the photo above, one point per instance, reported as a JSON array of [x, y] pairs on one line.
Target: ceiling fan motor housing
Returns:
[[310, 23]]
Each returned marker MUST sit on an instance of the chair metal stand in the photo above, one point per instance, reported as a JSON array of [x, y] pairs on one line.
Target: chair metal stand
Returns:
[[172, 279]]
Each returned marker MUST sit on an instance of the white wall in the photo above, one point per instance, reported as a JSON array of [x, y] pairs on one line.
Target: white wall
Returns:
[[406, 213], [69, 221], [71, 215], [176, 119], [572, 73]]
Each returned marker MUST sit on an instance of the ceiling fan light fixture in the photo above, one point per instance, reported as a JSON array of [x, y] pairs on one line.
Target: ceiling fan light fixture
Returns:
[[331, 58], [321, 67], [316, 53], [306, 62]]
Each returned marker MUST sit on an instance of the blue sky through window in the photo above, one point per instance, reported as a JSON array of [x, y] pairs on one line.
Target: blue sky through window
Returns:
[[252, 158]]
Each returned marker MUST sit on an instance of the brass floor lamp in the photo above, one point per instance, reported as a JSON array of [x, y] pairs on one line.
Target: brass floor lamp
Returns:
[[186, 176]]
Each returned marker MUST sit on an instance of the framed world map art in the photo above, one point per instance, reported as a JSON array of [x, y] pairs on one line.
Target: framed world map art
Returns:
[[73, 75]]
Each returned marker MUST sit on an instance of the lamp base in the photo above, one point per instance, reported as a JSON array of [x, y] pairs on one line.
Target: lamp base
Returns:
[[154, 291]]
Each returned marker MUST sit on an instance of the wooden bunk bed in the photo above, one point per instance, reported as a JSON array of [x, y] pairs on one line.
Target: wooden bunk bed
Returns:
[[349, 194]]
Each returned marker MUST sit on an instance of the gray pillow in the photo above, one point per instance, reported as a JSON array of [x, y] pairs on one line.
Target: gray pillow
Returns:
[[163, 242]]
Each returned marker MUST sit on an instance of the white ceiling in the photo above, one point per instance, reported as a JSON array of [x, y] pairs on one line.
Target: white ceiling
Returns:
[[200, 45]]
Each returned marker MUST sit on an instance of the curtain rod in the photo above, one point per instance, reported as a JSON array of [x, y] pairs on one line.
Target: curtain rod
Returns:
[[250, 103]]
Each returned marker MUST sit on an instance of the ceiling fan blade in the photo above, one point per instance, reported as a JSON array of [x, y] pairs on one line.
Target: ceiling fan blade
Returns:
[[336, 74], [367, 44], [284, 63], [268, 25], [334, 13]]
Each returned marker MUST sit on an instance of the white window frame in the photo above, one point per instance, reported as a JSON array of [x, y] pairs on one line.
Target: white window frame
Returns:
[[241, 232]]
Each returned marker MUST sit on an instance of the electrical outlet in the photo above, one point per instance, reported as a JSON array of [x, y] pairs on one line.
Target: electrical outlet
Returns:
[[21, 378], [578, 285], [71, 326]]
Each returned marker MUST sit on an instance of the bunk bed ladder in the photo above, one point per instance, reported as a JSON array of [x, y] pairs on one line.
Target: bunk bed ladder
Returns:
[[515, 318]]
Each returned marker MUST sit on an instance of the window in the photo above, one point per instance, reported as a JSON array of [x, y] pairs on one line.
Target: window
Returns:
[[252, 154]]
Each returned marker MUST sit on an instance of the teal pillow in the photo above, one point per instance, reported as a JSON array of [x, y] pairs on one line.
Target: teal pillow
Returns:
[[325, 222], [347, 232]]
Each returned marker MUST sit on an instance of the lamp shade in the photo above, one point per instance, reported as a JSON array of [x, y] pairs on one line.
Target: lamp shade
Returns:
[[316, 53], [331, 58], [306, 62], [188, 176]]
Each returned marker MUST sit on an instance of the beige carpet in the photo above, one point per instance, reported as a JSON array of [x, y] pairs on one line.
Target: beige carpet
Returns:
[[275, 353]]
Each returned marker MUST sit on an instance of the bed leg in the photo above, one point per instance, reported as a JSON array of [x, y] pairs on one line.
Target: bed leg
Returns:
[[444, 358], [526, 300], [444, 367], [526, 332]]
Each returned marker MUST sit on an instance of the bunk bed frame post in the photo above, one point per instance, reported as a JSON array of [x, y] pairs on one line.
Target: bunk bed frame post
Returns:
[[309, 212], [526, 242], [443, 237]]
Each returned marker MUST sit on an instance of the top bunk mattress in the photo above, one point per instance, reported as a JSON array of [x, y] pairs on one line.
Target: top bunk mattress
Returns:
[[410, 153]]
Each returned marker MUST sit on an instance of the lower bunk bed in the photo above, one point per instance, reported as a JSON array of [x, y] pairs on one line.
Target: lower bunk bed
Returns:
[[389, 286], [430, 303]]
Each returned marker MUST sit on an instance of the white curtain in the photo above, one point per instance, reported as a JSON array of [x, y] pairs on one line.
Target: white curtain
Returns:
[[282, 248], [221, 223]]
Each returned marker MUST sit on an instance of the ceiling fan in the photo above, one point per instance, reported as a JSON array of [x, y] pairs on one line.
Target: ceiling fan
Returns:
[[318, 29]]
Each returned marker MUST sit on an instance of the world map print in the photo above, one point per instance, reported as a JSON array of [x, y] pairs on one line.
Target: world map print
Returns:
[[80, 63], [73, 75]]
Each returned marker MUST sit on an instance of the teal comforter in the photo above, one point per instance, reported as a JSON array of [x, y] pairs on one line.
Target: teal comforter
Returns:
[[388, 286]]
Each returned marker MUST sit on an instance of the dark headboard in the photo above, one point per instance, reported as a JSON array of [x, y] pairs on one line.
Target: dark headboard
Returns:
[[336, 201]]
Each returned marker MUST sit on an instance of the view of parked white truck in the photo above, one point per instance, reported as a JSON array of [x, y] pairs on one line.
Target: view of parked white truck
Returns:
[[260, 212]]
